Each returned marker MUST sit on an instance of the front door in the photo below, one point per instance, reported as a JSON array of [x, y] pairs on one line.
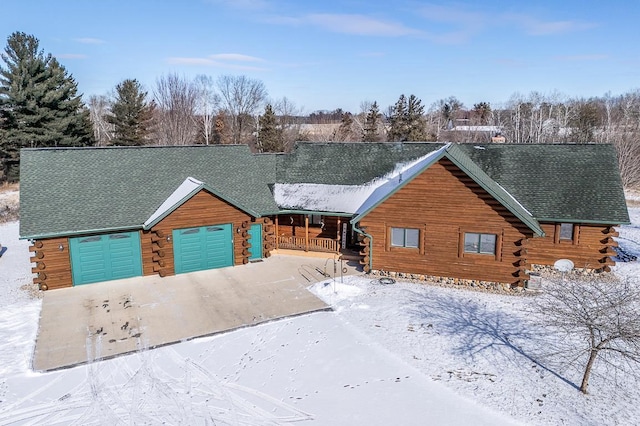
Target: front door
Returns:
[[255, 239]]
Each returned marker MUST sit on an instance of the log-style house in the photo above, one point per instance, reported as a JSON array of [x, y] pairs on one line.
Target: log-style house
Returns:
[[476, 212]]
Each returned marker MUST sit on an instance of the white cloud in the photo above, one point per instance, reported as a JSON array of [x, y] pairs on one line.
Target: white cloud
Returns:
[[89, 40], [536, 27], [359, 24], [460, 22], [238, 57], [242, 4], [459, 15], [345, 24]]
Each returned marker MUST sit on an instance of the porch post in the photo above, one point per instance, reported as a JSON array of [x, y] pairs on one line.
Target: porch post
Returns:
[[306, 232], [277, 233], [338, 238]]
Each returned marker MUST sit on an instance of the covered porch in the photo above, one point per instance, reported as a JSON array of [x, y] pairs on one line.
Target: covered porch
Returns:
[[313, 232]]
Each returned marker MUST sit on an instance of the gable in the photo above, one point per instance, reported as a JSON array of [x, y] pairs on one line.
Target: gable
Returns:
[[203, 208], [183, 193], [441, 197], [557, 182], [452, 153]]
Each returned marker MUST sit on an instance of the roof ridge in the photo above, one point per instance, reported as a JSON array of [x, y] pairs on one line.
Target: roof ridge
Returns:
[[127, 147]]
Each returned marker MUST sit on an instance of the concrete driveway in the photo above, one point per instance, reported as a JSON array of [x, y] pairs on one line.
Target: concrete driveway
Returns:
[[98, 321]]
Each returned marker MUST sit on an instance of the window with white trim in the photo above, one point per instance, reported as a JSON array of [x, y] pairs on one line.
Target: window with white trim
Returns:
[[405, 237], [480, 243]]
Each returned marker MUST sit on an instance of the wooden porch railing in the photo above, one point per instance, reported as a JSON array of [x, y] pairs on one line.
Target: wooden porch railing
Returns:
[[313, 244]]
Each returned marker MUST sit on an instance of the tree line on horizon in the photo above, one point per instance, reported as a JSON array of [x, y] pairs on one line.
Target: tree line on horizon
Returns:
[[40, 107]]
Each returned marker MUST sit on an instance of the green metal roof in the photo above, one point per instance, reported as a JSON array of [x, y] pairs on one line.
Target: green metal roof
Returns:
[[557, 182], [72, 190]]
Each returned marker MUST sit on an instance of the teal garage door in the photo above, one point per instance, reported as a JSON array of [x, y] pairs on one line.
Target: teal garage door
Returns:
[[105, 257], [206, 247], [255, 239]]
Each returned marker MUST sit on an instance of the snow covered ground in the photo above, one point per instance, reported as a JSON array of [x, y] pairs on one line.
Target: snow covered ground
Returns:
[[390, 354]]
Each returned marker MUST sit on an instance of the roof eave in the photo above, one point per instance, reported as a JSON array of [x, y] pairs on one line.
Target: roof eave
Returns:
[[589, 221], [81, 232], [318, 212]]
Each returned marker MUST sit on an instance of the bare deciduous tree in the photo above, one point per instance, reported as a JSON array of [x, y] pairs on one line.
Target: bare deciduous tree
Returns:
[[176, 100], [628, 149], [207, 105], [241, 97], [290, 119], [99, 107], [596, 319]]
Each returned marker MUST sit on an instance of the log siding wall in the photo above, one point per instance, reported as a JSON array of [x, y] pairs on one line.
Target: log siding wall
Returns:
[[52, 266], [444, 203], [590, 247], [202, 209]]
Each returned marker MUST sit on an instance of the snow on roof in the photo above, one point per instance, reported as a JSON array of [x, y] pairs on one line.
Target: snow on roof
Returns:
[[346, 198], [185, 189], [320, 197], [391, 184]]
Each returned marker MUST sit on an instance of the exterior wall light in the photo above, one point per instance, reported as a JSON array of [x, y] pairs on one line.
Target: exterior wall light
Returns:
[[61, 247]]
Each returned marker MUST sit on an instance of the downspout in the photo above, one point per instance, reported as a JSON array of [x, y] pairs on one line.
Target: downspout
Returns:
[[361, 232]]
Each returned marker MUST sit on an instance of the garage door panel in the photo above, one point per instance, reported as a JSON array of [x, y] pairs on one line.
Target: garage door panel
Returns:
[[105, 257], [202, 248]]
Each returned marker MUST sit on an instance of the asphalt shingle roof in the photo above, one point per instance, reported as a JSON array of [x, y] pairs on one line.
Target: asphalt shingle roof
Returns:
[[79, 190], [65, 191], [350, 163], [557, 182]]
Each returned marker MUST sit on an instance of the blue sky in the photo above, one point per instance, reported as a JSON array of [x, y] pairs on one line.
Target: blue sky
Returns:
[[330, 54]]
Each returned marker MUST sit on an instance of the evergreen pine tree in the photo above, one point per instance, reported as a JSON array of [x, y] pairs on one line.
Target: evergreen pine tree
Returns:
[[131, 114], [407, 120], [270, 138], [370, 133], [344, 132], [398, 119], [416, 128], [39, 105]]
